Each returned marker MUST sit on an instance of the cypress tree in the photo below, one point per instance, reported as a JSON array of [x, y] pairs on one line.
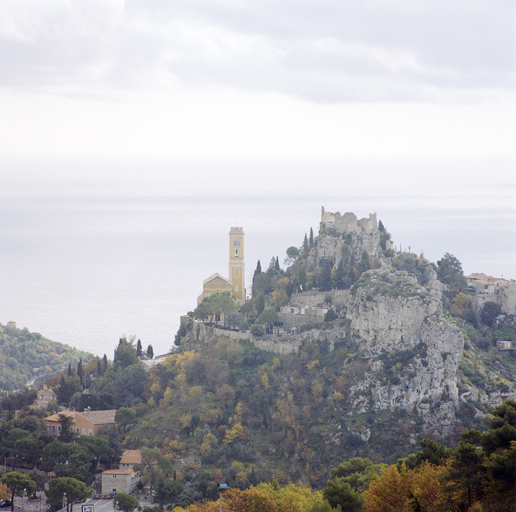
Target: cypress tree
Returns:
[[311, 238], [104, 364], [150, 352], [261, 304], [80, 371], [276, 264], [256, 275], [139, 348], [305, 244]]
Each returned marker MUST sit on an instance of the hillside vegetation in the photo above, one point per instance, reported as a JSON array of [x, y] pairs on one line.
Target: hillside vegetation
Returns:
[[29, 357]]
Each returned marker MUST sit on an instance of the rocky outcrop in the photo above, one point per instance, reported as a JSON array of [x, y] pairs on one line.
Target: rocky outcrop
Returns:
[[345, 236]]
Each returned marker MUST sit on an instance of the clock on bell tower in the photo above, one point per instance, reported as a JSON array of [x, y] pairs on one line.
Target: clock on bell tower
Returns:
[[236, 262]]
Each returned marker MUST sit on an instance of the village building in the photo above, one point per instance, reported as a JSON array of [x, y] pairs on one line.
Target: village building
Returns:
[[494, 289], [87, 423], [130, 458], [44, 397], [119, 480]]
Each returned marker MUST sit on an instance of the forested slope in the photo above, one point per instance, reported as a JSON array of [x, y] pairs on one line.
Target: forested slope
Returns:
[[25, 356]]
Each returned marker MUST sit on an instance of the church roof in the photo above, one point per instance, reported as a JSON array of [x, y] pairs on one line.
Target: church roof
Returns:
[[215, 279]]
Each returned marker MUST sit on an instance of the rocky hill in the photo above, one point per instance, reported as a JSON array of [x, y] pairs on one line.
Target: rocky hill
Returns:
[[408, 355]]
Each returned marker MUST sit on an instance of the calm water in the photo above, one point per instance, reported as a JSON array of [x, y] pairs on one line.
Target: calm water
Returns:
[[85, 270]]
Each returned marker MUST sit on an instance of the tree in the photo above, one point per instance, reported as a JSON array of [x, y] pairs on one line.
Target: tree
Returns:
[[431, 451], [125, 355], [256, 276], [125, 502], [150, 352], [389, 491], [449, 272], [267, 316], [261, 304], [80, 372], [325, 276], [139, 352], [98, 447], [330, 315], [462, 306], [357, 472], [125, 416], [18, 484], [311, 240], [68, 385], [489, 312], [502, 428], [292, 255], [166, 491], [217, 304], [66, 435], [339, 492], [71, 487], [466, 473]]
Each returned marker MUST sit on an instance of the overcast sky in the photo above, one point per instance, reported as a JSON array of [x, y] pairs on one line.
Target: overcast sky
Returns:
[[236, 81]]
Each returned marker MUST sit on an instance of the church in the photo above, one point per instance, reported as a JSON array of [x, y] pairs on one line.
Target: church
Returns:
[[236, 282]]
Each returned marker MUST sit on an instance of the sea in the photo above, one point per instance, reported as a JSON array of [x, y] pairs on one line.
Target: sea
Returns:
[[86, 266]]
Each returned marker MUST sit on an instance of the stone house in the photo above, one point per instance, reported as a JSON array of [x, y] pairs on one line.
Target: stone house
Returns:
[[44, 396], [119, 480]]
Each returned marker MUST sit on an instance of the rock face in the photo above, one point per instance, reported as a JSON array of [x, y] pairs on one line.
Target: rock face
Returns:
[[412, 351]]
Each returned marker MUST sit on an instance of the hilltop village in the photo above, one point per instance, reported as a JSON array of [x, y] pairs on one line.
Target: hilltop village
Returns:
[[355, 364]]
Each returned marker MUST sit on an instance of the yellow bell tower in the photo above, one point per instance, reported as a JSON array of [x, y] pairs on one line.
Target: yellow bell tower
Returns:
[[236, 262]]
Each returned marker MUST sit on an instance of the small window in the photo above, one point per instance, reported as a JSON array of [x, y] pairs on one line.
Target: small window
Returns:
[[90, 432], [83, 431], [236, 272]]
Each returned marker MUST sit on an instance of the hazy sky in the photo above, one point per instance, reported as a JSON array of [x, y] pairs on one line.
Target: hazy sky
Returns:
[[300, 86]]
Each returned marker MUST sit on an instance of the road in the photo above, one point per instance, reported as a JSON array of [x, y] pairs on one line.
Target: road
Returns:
[[27, 505]]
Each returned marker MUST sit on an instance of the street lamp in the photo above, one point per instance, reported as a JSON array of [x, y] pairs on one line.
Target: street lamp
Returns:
[[222, 488]]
